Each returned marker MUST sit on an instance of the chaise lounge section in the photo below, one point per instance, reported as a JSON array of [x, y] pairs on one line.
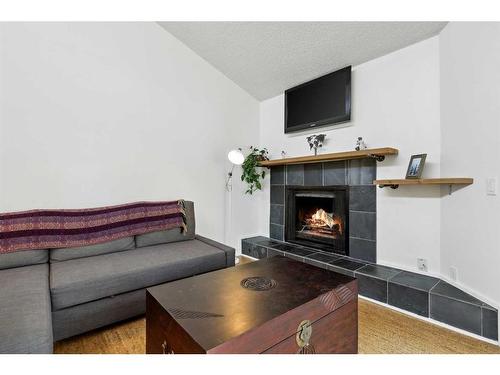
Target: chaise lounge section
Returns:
[[50, 295], [25, 312]]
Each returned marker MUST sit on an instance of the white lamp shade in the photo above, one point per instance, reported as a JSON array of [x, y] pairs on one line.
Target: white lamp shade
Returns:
[[236, 157]]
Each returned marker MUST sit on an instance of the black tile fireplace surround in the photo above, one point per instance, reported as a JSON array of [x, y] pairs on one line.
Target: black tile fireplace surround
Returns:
[[356, 176], [318, 217]]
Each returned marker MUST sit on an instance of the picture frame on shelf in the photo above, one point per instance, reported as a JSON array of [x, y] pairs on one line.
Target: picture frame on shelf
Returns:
[[416, 166]]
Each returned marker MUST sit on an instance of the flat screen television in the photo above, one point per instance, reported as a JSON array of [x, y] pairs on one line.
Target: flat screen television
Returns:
[[323, 101]]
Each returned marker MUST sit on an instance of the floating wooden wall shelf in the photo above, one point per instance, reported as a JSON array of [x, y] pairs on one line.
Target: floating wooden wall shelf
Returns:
[[375, 153], [394, 183]]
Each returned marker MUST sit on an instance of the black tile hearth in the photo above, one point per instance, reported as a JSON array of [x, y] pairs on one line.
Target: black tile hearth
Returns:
[[372, 287], [325, 258], [450, 305], [277, 212], [267, 242], [334, 173], [409, 299], [348, 264], [295, 174], [277, 194], [373, 281], [273, 253], [459, 314], [490, 323], [254, 250], [343, 271], [414, 280], [316, 263], [282, 246], [363, 249], [294, 249], [363, 225], [345, 266], [416, 293], [361, 172], [320, 259], [378, 271], [248, 245], [278, 175], [410, 291], [447, 290], [313, 174], [363, 198], [256, 239], [294, 256]]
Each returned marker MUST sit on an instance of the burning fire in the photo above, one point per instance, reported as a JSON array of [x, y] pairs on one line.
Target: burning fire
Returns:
[[321, 218], [324, 220]]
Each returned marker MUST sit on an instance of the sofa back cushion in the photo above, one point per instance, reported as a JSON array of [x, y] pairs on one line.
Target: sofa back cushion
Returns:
[[171, 235], [121, 244], [23, 258]]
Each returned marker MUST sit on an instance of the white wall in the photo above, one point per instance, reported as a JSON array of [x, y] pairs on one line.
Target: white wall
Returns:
[[103, 113], [395, 104], [470, 134]]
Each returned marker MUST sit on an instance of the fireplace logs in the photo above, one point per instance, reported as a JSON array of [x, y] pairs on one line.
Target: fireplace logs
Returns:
[[317, 217], [320, 223]]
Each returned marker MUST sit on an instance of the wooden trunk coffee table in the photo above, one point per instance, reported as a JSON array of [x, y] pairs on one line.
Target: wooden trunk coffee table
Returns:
[[274, 305]]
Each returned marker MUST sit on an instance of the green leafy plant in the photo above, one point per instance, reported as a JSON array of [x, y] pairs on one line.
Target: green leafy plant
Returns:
[[252, 173]]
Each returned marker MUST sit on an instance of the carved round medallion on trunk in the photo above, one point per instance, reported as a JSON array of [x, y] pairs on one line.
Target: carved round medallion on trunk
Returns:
[[258, 283]]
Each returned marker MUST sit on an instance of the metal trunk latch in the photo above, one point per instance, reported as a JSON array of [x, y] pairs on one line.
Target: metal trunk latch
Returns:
[[303, 337], [166, 348]]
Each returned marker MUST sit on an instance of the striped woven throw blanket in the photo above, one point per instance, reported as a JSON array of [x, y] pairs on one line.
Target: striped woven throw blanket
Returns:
[[50, 229]]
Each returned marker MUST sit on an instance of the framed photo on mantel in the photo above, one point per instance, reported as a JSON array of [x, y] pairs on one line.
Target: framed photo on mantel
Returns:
[[416, 166]]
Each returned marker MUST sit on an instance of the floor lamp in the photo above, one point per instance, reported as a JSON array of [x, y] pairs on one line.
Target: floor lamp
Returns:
[[236, 157]]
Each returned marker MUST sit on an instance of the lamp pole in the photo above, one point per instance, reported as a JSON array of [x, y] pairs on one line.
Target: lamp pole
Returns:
[[236, 157]]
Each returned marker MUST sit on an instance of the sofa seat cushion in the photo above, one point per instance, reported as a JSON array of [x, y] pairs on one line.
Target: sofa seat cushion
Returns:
[[25, 313], [87, 279]]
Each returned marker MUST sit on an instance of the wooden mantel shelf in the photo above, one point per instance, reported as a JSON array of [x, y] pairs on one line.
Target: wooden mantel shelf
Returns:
[[376, 153], [394, 183]]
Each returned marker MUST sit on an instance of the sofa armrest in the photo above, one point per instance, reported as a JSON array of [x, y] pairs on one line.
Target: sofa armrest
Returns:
[[227, 249]]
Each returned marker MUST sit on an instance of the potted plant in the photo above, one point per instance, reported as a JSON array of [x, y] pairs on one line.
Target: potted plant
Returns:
[[252, 172]]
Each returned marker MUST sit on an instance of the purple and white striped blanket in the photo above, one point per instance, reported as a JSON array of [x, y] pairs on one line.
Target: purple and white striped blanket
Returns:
[[50, 229]]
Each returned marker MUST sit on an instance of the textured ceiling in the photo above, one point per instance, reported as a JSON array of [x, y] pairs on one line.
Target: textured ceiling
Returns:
[[266, 58]]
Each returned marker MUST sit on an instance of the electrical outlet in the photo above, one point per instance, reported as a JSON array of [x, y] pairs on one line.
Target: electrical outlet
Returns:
[[453, 273], [422, 264]]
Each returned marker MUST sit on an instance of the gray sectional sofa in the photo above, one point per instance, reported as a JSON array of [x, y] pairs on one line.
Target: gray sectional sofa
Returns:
[[49, 295]]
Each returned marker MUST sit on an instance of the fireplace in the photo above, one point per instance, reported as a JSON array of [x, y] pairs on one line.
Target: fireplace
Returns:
[[318, 217]]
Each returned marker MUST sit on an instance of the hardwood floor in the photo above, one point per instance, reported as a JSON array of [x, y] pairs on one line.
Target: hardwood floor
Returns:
[[381, 330]]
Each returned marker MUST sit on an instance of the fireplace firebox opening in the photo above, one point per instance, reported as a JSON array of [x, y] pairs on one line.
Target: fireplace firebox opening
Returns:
[[318, 217]]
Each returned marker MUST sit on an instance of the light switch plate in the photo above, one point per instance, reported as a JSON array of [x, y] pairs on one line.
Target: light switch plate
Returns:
[[491, 186]]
